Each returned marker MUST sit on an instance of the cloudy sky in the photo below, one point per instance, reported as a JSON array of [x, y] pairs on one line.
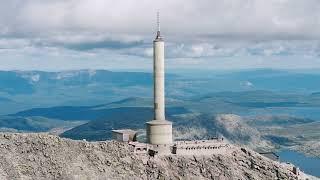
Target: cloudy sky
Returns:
[[109, 34]]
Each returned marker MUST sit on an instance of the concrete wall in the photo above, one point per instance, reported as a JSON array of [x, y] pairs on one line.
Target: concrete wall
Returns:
[[159, 132], [124, 137], [199, 148], [159, 79]]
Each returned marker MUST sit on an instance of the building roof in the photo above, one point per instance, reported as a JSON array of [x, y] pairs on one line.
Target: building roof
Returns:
[[124, 131]]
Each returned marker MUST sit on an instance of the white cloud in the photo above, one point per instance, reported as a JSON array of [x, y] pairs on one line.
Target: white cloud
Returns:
[[196, 32], [256, 18]]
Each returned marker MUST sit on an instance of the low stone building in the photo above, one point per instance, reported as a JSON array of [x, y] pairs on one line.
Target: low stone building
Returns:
[[124, 135]]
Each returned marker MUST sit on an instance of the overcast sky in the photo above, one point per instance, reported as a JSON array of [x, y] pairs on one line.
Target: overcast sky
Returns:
[[118, 34]]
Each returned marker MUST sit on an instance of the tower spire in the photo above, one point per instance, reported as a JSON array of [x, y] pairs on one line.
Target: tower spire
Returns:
[[158, 21], [158, 25]]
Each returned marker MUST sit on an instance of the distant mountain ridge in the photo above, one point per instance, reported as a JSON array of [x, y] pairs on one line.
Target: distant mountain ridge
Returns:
[[13, 83], [25, 82], [34, 124], [86, 77], [29, 89]]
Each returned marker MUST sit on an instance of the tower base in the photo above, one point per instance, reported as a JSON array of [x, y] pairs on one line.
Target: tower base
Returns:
[[159, 132]]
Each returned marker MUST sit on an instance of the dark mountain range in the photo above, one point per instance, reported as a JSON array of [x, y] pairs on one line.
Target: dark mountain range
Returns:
[[34, 124], [63, 113], [90, 112]]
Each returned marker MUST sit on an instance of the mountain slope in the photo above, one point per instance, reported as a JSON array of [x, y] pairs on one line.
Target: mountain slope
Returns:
[[187, 126], [35, 124], [117, 118], [63, 113], [26, 156]]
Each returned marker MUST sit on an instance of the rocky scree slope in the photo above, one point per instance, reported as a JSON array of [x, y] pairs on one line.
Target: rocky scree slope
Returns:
[[42, 156]]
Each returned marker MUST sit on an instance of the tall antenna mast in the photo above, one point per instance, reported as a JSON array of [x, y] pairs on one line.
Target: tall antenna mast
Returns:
[[158, 25], [158, 20]]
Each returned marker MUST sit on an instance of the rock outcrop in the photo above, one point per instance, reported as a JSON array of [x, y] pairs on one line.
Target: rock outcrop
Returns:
[[42, 156]]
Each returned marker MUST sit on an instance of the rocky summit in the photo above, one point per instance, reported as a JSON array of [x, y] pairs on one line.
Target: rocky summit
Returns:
[[43, 156]]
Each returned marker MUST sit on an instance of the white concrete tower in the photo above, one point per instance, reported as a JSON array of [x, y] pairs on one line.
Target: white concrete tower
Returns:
[[159, 130]]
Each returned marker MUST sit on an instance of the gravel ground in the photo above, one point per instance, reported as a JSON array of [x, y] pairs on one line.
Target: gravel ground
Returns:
[[43, 156]]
